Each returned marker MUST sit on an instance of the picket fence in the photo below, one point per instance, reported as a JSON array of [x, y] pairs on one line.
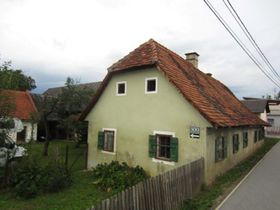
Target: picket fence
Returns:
[[167, 191]]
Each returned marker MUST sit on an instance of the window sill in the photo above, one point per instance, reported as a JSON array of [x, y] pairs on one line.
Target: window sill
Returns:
[[107, 152], [150, 92], [171, 163]]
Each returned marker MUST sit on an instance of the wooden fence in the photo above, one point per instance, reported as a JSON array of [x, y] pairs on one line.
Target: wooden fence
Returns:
[[163, 192]]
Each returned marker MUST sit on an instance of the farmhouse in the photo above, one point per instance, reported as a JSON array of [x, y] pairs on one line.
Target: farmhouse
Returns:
[[158, 110], [23, 113]]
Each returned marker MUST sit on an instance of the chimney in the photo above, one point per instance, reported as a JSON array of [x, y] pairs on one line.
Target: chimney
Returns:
[[192, 58], [209, 74]]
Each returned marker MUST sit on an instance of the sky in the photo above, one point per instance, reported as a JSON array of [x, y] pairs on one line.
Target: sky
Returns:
[[52, 39]]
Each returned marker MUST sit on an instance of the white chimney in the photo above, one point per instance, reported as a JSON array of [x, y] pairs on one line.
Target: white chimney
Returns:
[[192, 58]]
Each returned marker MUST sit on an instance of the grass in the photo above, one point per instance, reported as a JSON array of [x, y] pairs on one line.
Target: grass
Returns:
[[206, 199], [81, 195]]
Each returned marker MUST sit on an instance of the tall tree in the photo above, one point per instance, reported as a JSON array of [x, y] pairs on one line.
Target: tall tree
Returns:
[[15, 79], [66, 107], [47, 106], [73, 100], [6, 108]]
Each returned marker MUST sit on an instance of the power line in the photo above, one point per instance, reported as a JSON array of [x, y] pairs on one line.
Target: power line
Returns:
[[239, 42], [249, 36]]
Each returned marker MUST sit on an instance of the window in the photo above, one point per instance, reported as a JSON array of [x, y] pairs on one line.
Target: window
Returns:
[[107, 140], [245, 139], [235, 143], [270, 121], [220, 148], [163, 147], [261, 134], [256, 136], [151, 85], [121, 88]]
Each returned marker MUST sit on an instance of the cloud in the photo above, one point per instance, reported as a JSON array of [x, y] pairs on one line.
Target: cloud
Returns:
[[51, 40]]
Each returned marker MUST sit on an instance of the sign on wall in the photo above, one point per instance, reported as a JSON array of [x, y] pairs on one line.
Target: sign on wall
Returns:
[[194, 132]]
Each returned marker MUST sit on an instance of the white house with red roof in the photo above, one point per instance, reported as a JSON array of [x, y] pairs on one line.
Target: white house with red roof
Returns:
[[23, 113]]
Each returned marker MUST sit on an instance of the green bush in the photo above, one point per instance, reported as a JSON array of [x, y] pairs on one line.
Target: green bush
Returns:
[[29, 178], [26, 179], [56, 178], [116, 176]]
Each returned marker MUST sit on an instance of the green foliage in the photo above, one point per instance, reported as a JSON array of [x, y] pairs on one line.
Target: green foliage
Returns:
[[31, 178], [72, 101], [15, 79], [208, 195], [6, 107], [116, 176]]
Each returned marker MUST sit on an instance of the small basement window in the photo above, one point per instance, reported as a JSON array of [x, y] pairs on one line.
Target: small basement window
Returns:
[[151, 85], [121, 88]]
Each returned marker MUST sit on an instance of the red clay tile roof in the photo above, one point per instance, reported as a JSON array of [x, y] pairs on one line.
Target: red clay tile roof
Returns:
[[209, 96], [22, 102]]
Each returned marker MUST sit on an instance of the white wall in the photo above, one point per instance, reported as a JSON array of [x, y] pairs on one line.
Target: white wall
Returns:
[[28, 125]]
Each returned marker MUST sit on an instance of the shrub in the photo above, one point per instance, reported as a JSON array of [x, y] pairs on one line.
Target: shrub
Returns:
[[56, 178], [29, 179], [116, 176]]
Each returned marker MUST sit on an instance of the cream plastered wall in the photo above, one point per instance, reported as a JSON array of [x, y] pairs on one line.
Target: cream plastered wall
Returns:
[[212, 168], [137, 115]]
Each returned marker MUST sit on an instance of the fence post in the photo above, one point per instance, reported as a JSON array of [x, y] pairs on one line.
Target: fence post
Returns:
[[66, 157]]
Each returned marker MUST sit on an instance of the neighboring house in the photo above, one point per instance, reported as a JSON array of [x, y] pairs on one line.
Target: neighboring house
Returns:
[[24, 110], [258, 106], [273, 118], [158, 110], [56, 131]]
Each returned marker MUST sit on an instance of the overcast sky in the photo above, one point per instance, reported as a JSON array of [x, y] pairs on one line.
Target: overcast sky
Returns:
[[52, 39]]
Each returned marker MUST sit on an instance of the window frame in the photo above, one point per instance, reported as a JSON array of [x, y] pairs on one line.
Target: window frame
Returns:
[[117, 88], [256, 133], [163, 160], [115, 140], [222, 150], [235, 143], [245, 140], [146, 85]]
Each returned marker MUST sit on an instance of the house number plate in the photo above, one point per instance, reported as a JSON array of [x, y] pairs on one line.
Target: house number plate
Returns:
[[194, 132]]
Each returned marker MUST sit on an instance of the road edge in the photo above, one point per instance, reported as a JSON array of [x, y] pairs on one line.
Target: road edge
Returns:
[[248, 174]]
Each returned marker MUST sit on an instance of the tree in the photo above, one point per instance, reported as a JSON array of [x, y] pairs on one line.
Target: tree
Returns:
[[66, 107], [47, 106], [14, 79], [6, 108], [72, 100]]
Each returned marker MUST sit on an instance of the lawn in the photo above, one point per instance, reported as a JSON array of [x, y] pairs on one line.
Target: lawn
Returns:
[[81, 195]]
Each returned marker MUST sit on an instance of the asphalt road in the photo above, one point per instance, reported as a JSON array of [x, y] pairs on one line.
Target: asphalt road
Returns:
[[261, 189]]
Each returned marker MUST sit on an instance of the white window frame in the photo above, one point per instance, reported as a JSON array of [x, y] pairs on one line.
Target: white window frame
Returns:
[[117, 88], [172, 163], [146, 85], [115, 140]]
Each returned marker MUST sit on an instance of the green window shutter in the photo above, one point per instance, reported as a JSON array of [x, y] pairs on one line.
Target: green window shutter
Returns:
[[100, 142], [152, 146], [174, 149]]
